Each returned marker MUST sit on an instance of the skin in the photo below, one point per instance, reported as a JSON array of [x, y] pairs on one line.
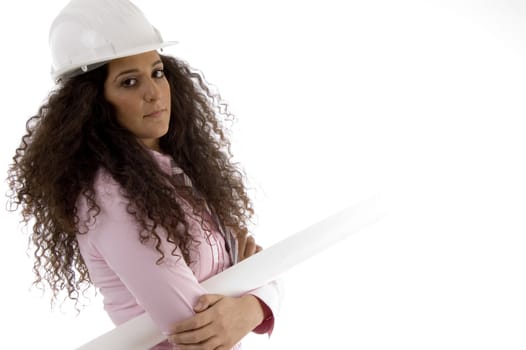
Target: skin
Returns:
[[219, 324], [247, 247], [140, 93]]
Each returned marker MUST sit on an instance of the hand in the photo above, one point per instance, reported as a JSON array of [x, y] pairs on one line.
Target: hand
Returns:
[[220, 323], [247, 247]]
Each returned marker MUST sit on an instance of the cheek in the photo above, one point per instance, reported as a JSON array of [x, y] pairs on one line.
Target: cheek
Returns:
[[127, 111], [165, 88], [121, 103]]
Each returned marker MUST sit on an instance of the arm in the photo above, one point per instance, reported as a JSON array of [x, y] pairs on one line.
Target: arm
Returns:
[[268, 296], [210, 330], [220, 323], [166, 291]]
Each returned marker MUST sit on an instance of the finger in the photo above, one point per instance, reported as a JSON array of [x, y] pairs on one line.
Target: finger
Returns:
[[206, 300], [212, 343], [196, 336], [241, 247], [250, 247], [195, 322], [258, 248]]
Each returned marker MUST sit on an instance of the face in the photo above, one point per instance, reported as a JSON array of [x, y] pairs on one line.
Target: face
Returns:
[[137, 88]]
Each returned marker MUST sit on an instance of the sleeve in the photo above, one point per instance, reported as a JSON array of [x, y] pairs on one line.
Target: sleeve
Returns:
[[166, 291], [270, 297]]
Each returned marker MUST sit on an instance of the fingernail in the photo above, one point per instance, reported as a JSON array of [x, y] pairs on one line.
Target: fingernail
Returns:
[[199, 306]]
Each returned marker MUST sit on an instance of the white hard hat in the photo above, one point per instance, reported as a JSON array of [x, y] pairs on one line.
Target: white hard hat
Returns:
[[88, 33]]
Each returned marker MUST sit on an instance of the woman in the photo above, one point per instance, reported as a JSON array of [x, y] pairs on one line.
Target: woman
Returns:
[[126, 174]]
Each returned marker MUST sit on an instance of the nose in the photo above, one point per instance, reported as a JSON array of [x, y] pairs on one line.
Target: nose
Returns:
[[152, 91]]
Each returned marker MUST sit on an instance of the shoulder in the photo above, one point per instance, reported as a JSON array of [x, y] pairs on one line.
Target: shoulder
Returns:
[[105, 186], [107, 196]]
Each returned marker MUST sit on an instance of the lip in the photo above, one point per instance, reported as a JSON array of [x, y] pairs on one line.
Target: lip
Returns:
[[155, 113]]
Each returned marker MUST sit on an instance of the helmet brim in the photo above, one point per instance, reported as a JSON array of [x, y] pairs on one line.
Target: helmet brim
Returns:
[[89, 65]]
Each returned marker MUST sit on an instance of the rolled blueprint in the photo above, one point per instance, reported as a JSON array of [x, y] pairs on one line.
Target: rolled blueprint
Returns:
[[141, 333]]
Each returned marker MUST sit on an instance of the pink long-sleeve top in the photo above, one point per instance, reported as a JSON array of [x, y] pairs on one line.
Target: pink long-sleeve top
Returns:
[[127, 275]]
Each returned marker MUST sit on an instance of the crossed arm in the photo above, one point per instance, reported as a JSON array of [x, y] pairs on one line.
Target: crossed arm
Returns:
[[221, 322], [169, 292]]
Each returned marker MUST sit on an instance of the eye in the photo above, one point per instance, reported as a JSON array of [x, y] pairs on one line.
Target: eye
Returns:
[[158, 73], [130, 82]]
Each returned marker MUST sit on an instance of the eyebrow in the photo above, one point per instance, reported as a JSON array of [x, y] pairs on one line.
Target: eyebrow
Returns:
[[135, 70]]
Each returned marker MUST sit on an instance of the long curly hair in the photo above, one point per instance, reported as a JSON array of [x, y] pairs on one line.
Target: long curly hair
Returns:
[[75, 134]]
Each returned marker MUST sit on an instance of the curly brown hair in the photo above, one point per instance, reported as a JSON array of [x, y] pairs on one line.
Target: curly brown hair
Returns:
[[75, 134]]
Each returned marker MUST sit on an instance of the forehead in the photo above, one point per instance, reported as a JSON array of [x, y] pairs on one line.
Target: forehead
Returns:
[[141, 61]]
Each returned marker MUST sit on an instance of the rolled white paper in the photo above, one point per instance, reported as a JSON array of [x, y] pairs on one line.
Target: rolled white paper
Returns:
[[141, 333]]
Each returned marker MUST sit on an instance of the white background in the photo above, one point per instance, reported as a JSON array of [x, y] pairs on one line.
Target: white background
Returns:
[[336, 101]]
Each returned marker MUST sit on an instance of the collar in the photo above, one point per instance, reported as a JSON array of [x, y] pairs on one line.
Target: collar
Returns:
[[164, 160]]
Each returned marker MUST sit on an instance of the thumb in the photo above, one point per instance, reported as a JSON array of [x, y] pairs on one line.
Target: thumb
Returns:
[[205, 301]]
